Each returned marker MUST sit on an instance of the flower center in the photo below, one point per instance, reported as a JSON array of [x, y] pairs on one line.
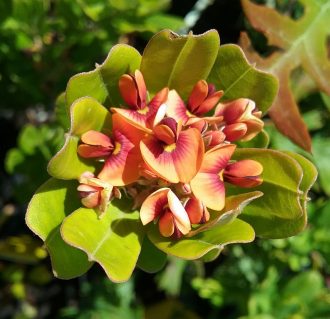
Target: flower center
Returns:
[[170, 148], [221, 174], [117, 148], [143, 111]]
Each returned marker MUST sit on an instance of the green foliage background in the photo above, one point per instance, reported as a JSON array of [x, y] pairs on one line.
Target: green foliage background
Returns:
[[43, 43]]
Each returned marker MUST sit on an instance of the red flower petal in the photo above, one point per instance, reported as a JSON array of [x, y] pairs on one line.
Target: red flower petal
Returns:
[[194, 209], [165, 134], [96, 138], [141, 87], [245, 173], [128, 90], [235, 131], [153, 205], [160, 98], [210, 189], [166, 224], [176, 107], [198, 95], [216, 159], [209, 103], [121, 167], [181, 218], [175, 163]]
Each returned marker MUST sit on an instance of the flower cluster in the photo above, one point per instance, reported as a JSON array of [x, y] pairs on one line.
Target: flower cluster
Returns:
[[172, 156]]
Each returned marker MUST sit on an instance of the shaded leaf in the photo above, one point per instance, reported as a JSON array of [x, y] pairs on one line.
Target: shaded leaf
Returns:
[[21, 249], [195, 247], [168, 59], [85, 114], [48, 207], [62, 112], [233, 74], [114, 241], [303, 43], [151, 259]]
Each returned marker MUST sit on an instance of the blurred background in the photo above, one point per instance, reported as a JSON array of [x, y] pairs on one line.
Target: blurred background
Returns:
[[42, 44]]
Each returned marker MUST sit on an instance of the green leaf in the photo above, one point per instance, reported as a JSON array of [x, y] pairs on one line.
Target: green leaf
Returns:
[[195, 247], [14, 158], [62, 112], [321, 152], [178, 62], [233, 74], [102, 83], [259, 141], [151, 259], [280, 212], [86, 114], [48, 207], [305, 287], [233, 207], [114, 241]]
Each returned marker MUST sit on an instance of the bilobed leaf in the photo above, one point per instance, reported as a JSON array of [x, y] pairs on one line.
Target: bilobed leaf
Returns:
[[102, 83], [303, 43], [114, 241], [197, 246], [281, 211], [48, 207], [233, 74], [233, 207], [85, 114], [178, 62]]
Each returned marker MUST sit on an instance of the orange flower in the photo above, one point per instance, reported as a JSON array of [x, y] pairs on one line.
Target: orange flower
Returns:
[[173, 154], [165, 207], [196, 210], [121, 151], [202, 99], [242, 119], [141, 113], [96, 193], [209, 183]]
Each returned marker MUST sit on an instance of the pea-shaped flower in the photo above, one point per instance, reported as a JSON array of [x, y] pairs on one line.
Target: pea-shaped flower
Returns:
[[242, 119], [172, 153], [164, 207], [202, 99], [141, 112], [209, 183]]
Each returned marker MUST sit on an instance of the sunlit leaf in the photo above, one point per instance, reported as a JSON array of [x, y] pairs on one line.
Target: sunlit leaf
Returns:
[[168, 59], [102, 83], [114, 241], [237, 231], [48, 207], [86, 114], [233, 207], [233, 74], [151, 259]]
